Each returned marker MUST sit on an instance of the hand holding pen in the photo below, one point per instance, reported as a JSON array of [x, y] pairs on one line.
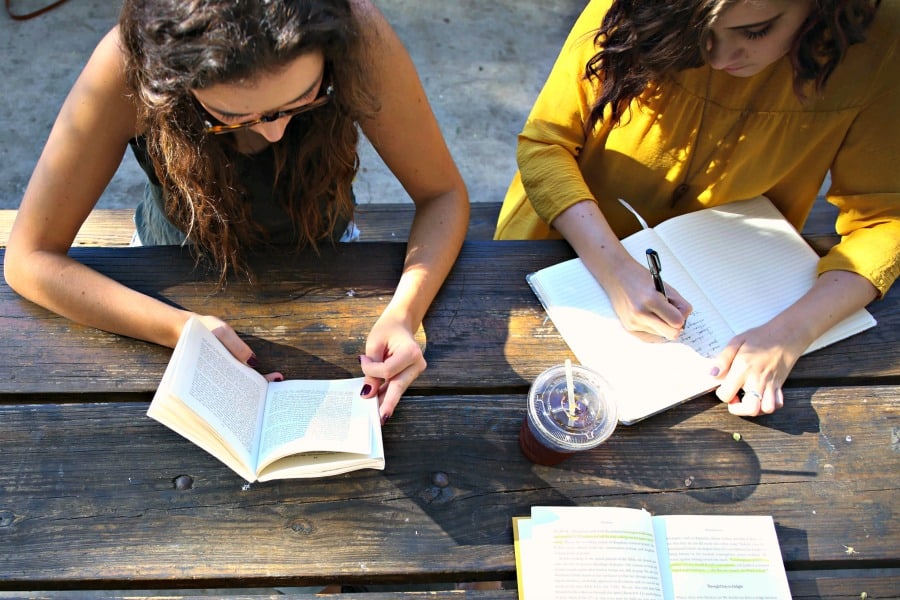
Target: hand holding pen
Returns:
[[676, 301]]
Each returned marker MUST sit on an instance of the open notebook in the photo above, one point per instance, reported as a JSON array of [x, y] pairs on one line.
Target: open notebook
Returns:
[[739, 265]]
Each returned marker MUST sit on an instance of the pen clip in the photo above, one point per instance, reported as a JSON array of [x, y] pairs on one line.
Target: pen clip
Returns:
[[655, 267], [653, 262]]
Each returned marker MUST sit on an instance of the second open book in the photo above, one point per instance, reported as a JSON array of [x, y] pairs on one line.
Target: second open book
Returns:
[[591, 552], [739, 265]]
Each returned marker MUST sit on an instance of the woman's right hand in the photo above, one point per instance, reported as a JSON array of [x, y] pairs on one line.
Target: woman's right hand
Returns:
[[233, 342], [629, 285], [640, 308]]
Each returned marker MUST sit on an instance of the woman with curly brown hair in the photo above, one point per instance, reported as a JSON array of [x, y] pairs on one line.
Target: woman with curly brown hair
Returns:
[[245, 117], [679, 105]]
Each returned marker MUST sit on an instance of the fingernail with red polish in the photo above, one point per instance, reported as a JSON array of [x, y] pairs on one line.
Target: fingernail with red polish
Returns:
[[253, 361], [385, 419], [365, 390], [279, 378]]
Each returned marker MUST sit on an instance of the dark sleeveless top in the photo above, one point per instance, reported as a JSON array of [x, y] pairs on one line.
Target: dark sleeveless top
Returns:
[[255, 171]]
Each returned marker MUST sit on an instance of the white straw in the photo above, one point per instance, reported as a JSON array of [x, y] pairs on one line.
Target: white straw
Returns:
[[570, 388]]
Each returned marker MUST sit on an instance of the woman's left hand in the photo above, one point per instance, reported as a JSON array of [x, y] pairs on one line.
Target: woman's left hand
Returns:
[[392, 361], [758, 362]]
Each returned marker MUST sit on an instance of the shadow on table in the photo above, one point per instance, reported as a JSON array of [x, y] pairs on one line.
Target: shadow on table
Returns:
[[293, 362], [664, 464], [798, 416], [704, 464], [794, 543]]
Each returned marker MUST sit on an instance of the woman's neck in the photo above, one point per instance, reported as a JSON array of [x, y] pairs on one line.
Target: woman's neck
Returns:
[[248, 142]]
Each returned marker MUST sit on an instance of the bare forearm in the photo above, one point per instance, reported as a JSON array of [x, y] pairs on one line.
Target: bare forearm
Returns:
[[393, 358], [834, 296], [435, 238], [85, 296], [587, 231]]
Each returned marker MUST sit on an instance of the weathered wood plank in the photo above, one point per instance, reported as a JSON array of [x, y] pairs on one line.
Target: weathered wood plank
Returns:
[[103, 227], [377, 223], [391, 222], [232, 594], [309, 317], [827, 586], [381, 223], [88, 493], [845, 584]]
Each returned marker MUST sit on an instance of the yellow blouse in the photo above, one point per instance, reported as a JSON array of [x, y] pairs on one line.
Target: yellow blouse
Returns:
[[748, 137]]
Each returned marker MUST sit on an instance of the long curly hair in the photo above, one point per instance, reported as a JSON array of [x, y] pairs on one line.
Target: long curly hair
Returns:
[[175, 46], [640, 42]]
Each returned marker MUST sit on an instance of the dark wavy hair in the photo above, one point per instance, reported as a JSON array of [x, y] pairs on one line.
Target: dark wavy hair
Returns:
[[642, 41], [175, 46]]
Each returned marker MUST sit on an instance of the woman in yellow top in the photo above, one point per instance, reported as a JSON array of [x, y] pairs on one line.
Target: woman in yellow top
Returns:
[[678, 105]]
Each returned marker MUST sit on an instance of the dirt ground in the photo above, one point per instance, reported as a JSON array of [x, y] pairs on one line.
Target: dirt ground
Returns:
[[482, 63]]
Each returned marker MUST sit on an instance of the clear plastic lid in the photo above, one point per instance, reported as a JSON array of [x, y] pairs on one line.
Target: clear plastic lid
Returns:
[[585, 424]]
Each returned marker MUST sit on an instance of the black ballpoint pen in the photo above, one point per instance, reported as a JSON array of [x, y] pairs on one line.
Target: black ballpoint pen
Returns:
[[655, 268]]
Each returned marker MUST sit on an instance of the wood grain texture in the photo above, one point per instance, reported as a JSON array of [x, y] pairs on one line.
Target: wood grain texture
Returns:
[[89, 492], [377, 223], [848, 584], [274, 594], [388, 222], [308, 316]]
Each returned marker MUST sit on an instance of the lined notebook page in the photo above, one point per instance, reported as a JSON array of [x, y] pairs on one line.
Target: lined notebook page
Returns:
[[751, 264], [646, 377]]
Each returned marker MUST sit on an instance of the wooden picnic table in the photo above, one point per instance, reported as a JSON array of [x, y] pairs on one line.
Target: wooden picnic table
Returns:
[[93, 493]]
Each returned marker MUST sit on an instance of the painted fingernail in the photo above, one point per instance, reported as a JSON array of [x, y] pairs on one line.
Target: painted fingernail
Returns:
[[365, 390], [278, 378], [385, 419], [253, 361], [714, 371]]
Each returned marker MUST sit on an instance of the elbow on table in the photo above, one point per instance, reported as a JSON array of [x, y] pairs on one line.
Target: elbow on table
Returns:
[[20, 268], [13, 268]]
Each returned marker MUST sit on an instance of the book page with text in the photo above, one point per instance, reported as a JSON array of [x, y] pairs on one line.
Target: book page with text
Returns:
[[323, 464], [315, 416], [221, 390], [646, 376], [750, 262], [721, 557], [582, 553]]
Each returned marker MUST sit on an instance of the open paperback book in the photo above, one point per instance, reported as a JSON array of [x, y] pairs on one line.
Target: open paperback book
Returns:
[[595, 552], [265, 430], [739, 265]]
